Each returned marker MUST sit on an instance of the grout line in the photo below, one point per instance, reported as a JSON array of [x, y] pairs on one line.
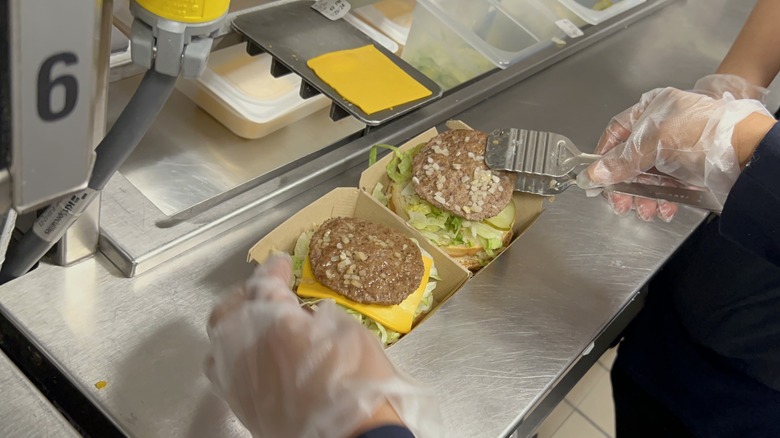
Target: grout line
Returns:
[[573, 408], [577, 409], [566, 417], [584, 417], [593, 423]]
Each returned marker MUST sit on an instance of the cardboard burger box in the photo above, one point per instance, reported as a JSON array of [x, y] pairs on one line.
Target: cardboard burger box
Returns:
[[354, 202]]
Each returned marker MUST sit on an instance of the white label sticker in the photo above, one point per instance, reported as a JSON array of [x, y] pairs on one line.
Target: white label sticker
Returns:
[[569, 28], [55, 220], [333, 9]]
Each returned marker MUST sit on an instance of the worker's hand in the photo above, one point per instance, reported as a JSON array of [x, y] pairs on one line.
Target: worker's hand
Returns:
[[717, 85], [287, 372], [697, 139]]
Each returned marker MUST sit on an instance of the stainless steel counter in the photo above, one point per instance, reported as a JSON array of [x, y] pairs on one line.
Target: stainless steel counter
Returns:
[[500, 352], [25, 412]]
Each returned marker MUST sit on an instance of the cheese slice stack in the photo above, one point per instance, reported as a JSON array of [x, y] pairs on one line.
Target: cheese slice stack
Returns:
[[397, 317], [367, 78]]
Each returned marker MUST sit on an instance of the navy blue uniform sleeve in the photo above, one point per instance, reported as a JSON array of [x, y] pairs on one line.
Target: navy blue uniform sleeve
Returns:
[[388, 432], [751, 215]]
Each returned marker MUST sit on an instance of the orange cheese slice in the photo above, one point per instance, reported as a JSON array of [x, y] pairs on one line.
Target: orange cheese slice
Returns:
[[398, 317], [367, 78]]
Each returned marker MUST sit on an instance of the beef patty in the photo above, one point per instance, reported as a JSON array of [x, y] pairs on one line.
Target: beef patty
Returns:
[[450, 173], [366, 262]]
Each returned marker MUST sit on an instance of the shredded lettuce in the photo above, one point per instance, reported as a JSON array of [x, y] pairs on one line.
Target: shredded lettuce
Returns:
[[399, 169], [385, 335], [453, 223], [372, 154], [434, 274], [408, 190], [299, 254], [418, 219], [379, 194], [493, 244], [426, 303], [457, 240], [446, 229]]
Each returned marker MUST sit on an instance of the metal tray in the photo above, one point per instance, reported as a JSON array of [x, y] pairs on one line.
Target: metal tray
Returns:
[[294, 33]]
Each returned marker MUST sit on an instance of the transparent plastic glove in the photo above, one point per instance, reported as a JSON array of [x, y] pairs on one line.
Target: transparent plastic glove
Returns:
[[683, 134], [717, 85], [287, 372]]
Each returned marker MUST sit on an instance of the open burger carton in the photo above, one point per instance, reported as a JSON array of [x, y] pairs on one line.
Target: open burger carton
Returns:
[[352, 202], [527, 207]]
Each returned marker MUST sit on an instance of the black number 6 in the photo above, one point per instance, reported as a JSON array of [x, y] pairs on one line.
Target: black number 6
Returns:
[[46, 84]]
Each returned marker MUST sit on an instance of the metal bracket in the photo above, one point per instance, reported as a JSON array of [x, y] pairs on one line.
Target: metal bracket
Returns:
[[337, 112], [307, 90], [278, 69]]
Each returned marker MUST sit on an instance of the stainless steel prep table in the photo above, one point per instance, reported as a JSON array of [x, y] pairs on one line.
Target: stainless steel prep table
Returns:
[[500, 353], [24, 411]]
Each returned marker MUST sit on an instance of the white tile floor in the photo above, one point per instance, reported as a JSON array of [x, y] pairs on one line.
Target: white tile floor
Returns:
[[587, 411]]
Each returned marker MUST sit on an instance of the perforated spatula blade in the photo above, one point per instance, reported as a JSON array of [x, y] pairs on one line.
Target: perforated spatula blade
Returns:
[[547, 163], [535, 152]]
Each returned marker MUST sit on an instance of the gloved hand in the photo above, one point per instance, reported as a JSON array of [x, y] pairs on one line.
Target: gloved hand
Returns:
[[685, 135], [717, 85], [287, 372]]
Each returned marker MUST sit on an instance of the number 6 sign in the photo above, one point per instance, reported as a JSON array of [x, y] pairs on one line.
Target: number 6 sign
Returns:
[[53, 50], [46, 84]]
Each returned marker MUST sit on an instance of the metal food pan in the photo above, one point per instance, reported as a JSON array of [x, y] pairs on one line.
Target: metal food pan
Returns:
[[294, 33]]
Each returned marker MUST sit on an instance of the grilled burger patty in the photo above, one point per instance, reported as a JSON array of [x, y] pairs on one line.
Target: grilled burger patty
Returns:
[[366, 262], [450, 173]]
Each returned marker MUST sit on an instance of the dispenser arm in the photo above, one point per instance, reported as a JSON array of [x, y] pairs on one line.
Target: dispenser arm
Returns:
[[170, 38], [175, 36]]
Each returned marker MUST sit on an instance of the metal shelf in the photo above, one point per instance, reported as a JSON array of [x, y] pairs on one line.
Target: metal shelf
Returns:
[[294, 33]]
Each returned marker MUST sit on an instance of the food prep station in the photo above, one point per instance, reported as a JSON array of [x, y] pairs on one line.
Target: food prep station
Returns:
[[118, 340]]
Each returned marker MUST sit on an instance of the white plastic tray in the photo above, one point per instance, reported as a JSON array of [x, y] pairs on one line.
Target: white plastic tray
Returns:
[[239, 91]]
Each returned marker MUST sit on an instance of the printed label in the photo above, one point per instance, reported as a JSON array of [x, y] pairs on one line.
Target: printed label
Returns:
[[333, 9], [55, 220], [569, 28]]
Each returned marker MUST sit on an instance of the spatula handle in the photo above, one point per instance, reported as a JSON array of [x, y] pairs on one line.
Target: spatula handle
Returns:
[[703, 199], [662, 179], [584, 160], [666, 188]]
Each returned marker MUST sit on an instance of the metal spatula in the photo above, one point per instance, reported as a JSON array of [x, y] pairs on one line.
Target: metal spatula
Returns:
[[547, 163]]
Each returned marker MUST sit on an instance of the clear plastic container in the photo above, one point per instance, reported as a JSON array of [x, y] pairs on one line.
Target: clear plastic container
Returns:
[[381, 39], [536, 17], [453, 41], [391, 17], [596, 11], [563, 12], [239, 91]]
